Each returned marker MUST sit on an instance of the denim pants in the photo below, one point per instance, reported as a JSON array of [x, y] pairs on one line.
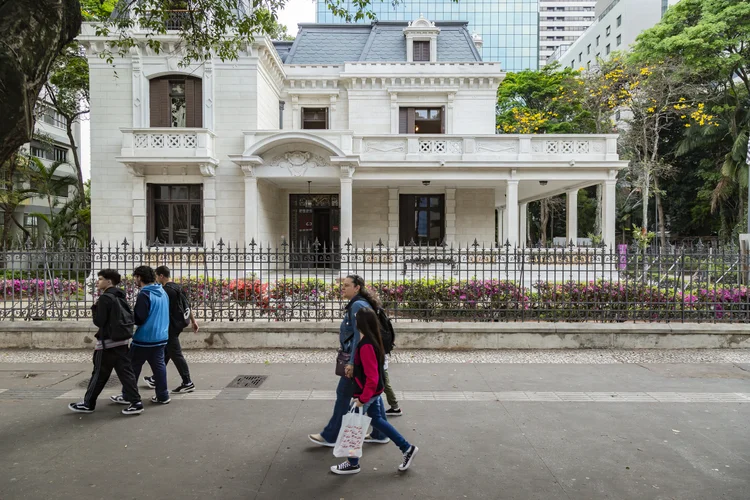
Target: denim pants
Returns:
[[344, 395], [155, 358], [376, 411]]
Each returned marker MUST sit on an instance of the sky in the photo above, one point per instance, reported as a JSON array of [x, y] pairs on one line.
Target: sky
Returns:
[[295, 12]]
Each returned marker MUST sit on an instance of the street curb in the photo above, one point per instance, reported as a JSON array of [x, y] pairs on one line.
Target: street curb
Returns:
[[413, 335]]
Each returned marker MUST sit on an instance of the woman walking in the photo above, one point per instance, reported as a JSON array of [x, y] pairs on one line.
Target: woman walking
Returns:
[[369, 378], [353, 289]]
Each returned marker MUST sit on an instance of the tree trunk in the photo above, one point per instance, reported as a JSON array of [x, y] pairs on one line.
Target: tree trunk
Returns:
[[34, 32], [644, 200], [660, 214]]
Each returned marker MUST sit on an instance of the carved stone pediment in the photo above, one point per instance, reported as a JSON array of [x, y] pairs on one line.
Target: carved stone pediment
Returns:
[[297, 162]]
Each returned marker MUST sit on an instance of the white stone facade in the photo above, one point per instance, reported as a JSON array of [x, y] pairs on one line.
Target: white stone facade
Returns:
[[252, 157]]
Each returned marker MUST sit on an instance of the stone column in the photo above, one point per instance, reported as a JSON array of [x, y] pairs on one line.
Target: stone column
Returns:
[[609, 212], [393, 207], [523, 224], [450, 216], [572, 216], [511, 212], [500, 207], [251, 205], [346, 201], [209, 206], [139, 209]]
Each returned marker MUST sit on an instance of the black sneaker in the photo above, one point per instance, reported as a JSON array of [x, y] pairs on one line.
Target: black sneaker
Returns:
[[150, 382], [133, 409], [80, 408], [119, 400], [160, 401], [345, 468], [393, 412], [408, 458], [184, 388]]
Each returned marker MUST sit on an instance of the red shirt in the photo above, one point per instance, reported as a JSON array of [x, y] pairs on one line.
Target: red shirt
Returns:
[[367, 376]]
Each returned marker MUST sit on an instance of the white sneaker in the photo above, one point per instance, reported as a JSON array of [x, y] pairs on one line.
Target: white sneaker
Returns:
[[119, 400], [318, 439], [345, 468], [370, 439]]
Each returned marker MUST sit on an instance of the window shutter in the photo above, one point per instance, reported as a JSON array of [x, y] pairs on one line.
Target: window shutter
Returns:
[[403, 120], [406, 219], [442, 120], [194, 102], [411, 118], [159, 97], [150, 214]]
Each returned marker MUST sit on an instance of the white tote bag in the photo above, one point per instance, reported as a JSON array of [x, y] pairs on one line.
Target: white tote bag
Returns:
[[351, 437]]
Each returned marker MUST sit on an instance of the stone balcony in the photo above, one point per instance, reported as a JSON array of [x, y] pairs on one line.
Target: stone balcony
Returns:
[[472, 149], [486, 148], [165, 147]]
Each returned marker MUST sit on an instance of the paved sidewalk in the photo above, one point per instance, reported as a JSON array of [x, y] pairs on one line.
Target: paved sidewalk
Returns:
[[510, 431]]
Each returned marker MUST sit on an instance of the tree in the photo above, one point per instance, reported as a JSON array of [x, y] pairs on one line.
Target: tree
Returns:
[[34, 32], [13, 194], [660, 95], [46, 182], [544, 101], [712, 38], [68, 92]]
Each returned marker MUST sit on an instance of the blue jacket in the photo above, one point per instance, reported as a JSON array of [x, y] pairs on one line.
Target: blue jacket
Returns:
[[151, 314], [348, 332]]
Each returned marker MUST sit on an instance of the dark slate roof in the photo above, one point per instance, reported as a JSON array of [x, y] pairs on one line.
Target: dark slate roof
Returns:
[[379, 41], [283, 48]]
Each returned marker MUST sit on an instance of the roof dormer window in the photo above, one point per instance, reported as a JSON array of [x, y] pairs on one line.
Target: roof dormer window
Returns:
[[421, 41]]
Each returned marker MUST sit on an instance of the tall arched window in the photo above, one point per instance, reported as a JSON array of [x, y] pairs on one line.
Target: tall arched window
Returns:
[[176, 101]]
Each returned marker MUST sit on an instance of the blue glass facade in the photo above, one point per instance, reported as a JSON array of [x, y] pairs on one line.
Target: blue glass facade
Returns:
[[509, 28]]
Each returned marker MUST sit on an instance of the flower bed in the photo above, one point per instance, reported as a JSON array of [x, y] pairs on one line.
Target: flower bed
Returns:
[[430, 300]]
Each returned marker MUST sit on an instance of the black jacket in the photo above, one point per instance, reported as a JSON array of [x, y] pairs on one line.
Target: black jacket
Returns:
[[113, 316]]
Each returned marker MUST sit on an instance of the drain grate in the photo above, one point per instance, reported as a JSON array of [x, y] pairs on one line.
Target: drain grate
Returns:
[[247, 381], [112, 382]]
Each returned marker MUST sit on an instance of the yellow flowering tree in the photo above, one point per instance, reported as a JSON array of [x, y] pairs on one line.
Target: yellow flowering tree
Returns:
[[660, 96]]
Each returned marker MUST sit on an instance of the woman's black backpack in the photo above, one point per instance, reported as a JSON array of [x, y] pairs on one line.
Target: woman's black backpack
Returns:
[[386, 331]]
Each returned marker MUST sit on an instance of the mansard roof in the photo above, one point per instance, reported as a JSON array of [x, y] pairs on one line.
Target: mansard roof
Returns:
[[377, 42]]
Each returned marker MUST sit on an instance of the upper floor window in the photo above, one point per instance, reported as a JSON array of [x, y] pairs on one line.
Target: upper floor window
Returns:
[[598, 38], [588, 50], [619, 20], [177, 15], [421, 51], [609, 30], [48, 152], [51, 116], [315, 118], [175, 214], [619, 40], [176, 101], [607, 49], [421, 121]]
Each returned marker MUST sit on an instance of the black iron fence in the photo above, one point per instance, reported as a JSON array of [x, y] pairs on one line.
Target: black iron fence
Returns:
[[231, 282]]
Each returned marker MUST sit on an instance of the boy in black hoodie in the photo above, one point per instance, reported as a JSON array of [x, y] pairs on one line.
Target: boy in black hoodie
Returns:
[[114, 317]]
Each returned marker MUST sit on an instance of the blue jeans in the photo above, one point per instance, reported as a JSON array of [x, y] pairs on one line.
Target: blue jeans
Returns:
[[376, 411], [344, 395], [155, 358]]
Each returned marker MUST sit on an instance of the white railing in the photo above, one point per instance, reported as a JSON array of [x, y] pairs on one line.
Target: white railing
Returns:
[[453, 147], [167, 143], [487, 147]]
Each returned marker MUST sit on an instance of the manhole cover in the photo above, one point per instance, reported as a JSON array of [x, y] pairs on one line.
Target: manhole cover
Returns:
[[244, 381], [112, 382]]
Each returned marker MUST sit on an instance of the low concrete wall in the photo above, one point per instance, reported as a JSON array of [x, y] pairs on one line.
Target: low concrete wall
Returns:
[[261, 335]]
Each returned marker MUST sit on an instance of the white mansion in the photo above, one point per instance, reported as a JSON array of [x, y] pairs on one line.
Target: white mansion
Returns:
[[361, 133]]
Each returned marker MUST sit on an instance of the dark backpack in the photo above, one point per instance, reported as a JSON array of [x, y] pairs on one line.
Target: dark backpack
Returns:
[[386, 331], [179, 311], [122, 322]]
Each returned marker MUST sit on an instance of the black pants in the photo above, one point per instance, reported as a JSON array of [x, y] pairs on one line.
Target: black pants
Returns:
[[173, 351], [104, 361]]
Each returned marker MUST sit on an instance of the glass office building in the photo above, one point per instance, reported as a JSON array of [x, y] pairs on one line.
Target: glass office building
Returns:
[[509, 28]]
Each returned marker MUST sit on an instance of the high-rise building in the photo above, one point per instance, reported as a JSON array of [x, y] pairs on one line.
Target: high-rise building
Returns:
[[562, 22], [618, 23], [509, 28]]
